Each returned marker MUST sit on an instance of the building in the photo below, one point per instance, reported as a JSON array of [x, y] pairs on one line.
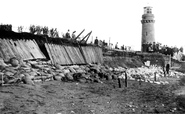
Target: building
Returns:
[[148, 34]]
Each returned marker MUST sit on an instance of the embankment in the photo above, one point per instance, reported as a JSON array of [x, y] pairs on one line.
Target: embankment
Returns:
[[126, 62]]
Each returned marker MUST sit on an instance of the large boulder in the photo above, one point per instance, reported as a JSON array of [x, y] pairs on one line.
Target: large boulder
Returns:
[[14, 62], [69, 76], [82, 80], [57, 77], [8, 73], [28, 79], [59, 67], [72, 70], [65, 71]]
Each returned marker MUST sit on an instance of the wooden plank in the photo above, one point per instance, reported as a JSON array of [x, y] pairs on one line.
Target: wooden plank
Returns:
[[70, 55], [79, 57], [84, 49], [26, 49], [21, 49], [49, 52], [10, 52], [65, 55], [13, 49], [62, 57], [37, 46]]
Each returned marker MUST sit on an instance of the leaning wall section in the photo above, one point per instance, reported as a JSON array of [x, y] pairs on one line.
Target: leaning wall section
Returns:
[[27, 46]]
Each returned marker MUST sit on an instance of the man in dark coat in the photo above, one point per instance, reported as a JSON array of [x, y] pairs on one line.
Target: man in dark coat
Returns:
[[167, 69], [68, 34]]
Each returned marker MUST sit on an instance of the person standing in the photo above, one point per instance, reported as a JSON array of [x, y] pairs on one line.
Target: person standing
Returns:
[[68, 34], [167, 69], [73, 34], [96, 41]]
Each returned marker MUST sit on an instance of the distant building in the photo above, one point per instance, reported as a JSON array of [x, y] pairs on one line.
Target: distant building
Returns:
[[148, 34]]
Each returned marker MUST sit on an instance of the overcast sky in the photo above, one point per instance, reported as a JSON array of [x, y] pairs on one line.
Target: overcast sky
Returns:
[[119, 20]]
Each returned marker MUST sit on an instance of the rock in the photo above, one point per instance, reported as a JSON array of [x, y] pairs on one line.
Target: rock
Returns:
[[97, 80], [95, 69], [57, 77], [101, 75], [87, 69], [11, 69], [51, 72], [14, 62], [1, 82], [80, 71], [27, 79], [72, 70], [75, 67], [69, 76], [21, 75], [114, 77], [151, 110], [82, 80], [86, 76], [47, 69], [65, 71], [61, 74], [109, 77], [36, 66], [77, 76], [28, 75], [57, 66], [160, 109], [58, 71], [8, 73], [33, 73]]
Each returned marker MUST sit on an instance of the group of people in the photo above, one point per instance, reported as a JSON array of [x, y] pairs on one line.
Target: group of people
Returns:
[[67, 35], [100, 42], [104, 44], [159, 48]]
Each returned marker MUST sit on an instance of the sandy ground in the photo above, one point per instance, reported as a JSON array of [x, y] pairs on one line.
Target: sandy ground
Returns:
[[56, 97]]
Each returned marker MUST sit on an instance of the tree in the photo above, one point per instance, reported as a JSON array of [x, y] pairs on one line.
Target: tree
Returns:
[[32, 29], [53, 33], [39, 30], [45, 30], [20, 28], [6, 27]]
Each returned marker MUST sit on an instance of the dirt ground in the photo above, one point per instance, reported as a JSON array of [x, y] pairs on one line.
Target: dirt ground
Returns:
[[57, 97]]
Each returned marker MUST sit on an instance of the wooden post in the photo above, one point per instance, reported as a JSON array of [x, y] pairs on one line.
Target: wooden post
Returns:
[[119, 82], [155, 78], [125, 79], [2, 79], [139, 80]]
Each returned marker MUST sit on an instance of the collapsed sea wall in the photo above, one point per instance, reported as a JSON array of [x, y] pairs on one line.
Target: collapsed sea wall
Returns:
[[155, 58], [22, 49], [26, 46], [126, 62], [137, 59]]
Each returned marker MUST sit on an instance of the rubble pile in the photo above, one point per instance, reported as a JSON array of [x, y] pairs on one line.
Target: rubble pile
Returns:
[[29, 72], [151, 74]]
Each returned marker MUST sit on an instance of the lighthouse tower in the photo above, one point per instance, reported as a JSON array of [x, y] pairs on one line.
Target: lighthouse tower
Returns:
[[148, 34]]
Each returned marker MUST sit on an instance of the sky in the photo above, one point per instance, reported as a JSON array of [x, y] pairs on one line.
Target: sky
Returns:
[[114, 20]]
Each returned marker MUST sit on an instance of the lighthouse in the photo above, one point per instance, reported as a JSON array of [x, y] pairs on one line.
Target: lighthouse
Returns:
[[148, 33]]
